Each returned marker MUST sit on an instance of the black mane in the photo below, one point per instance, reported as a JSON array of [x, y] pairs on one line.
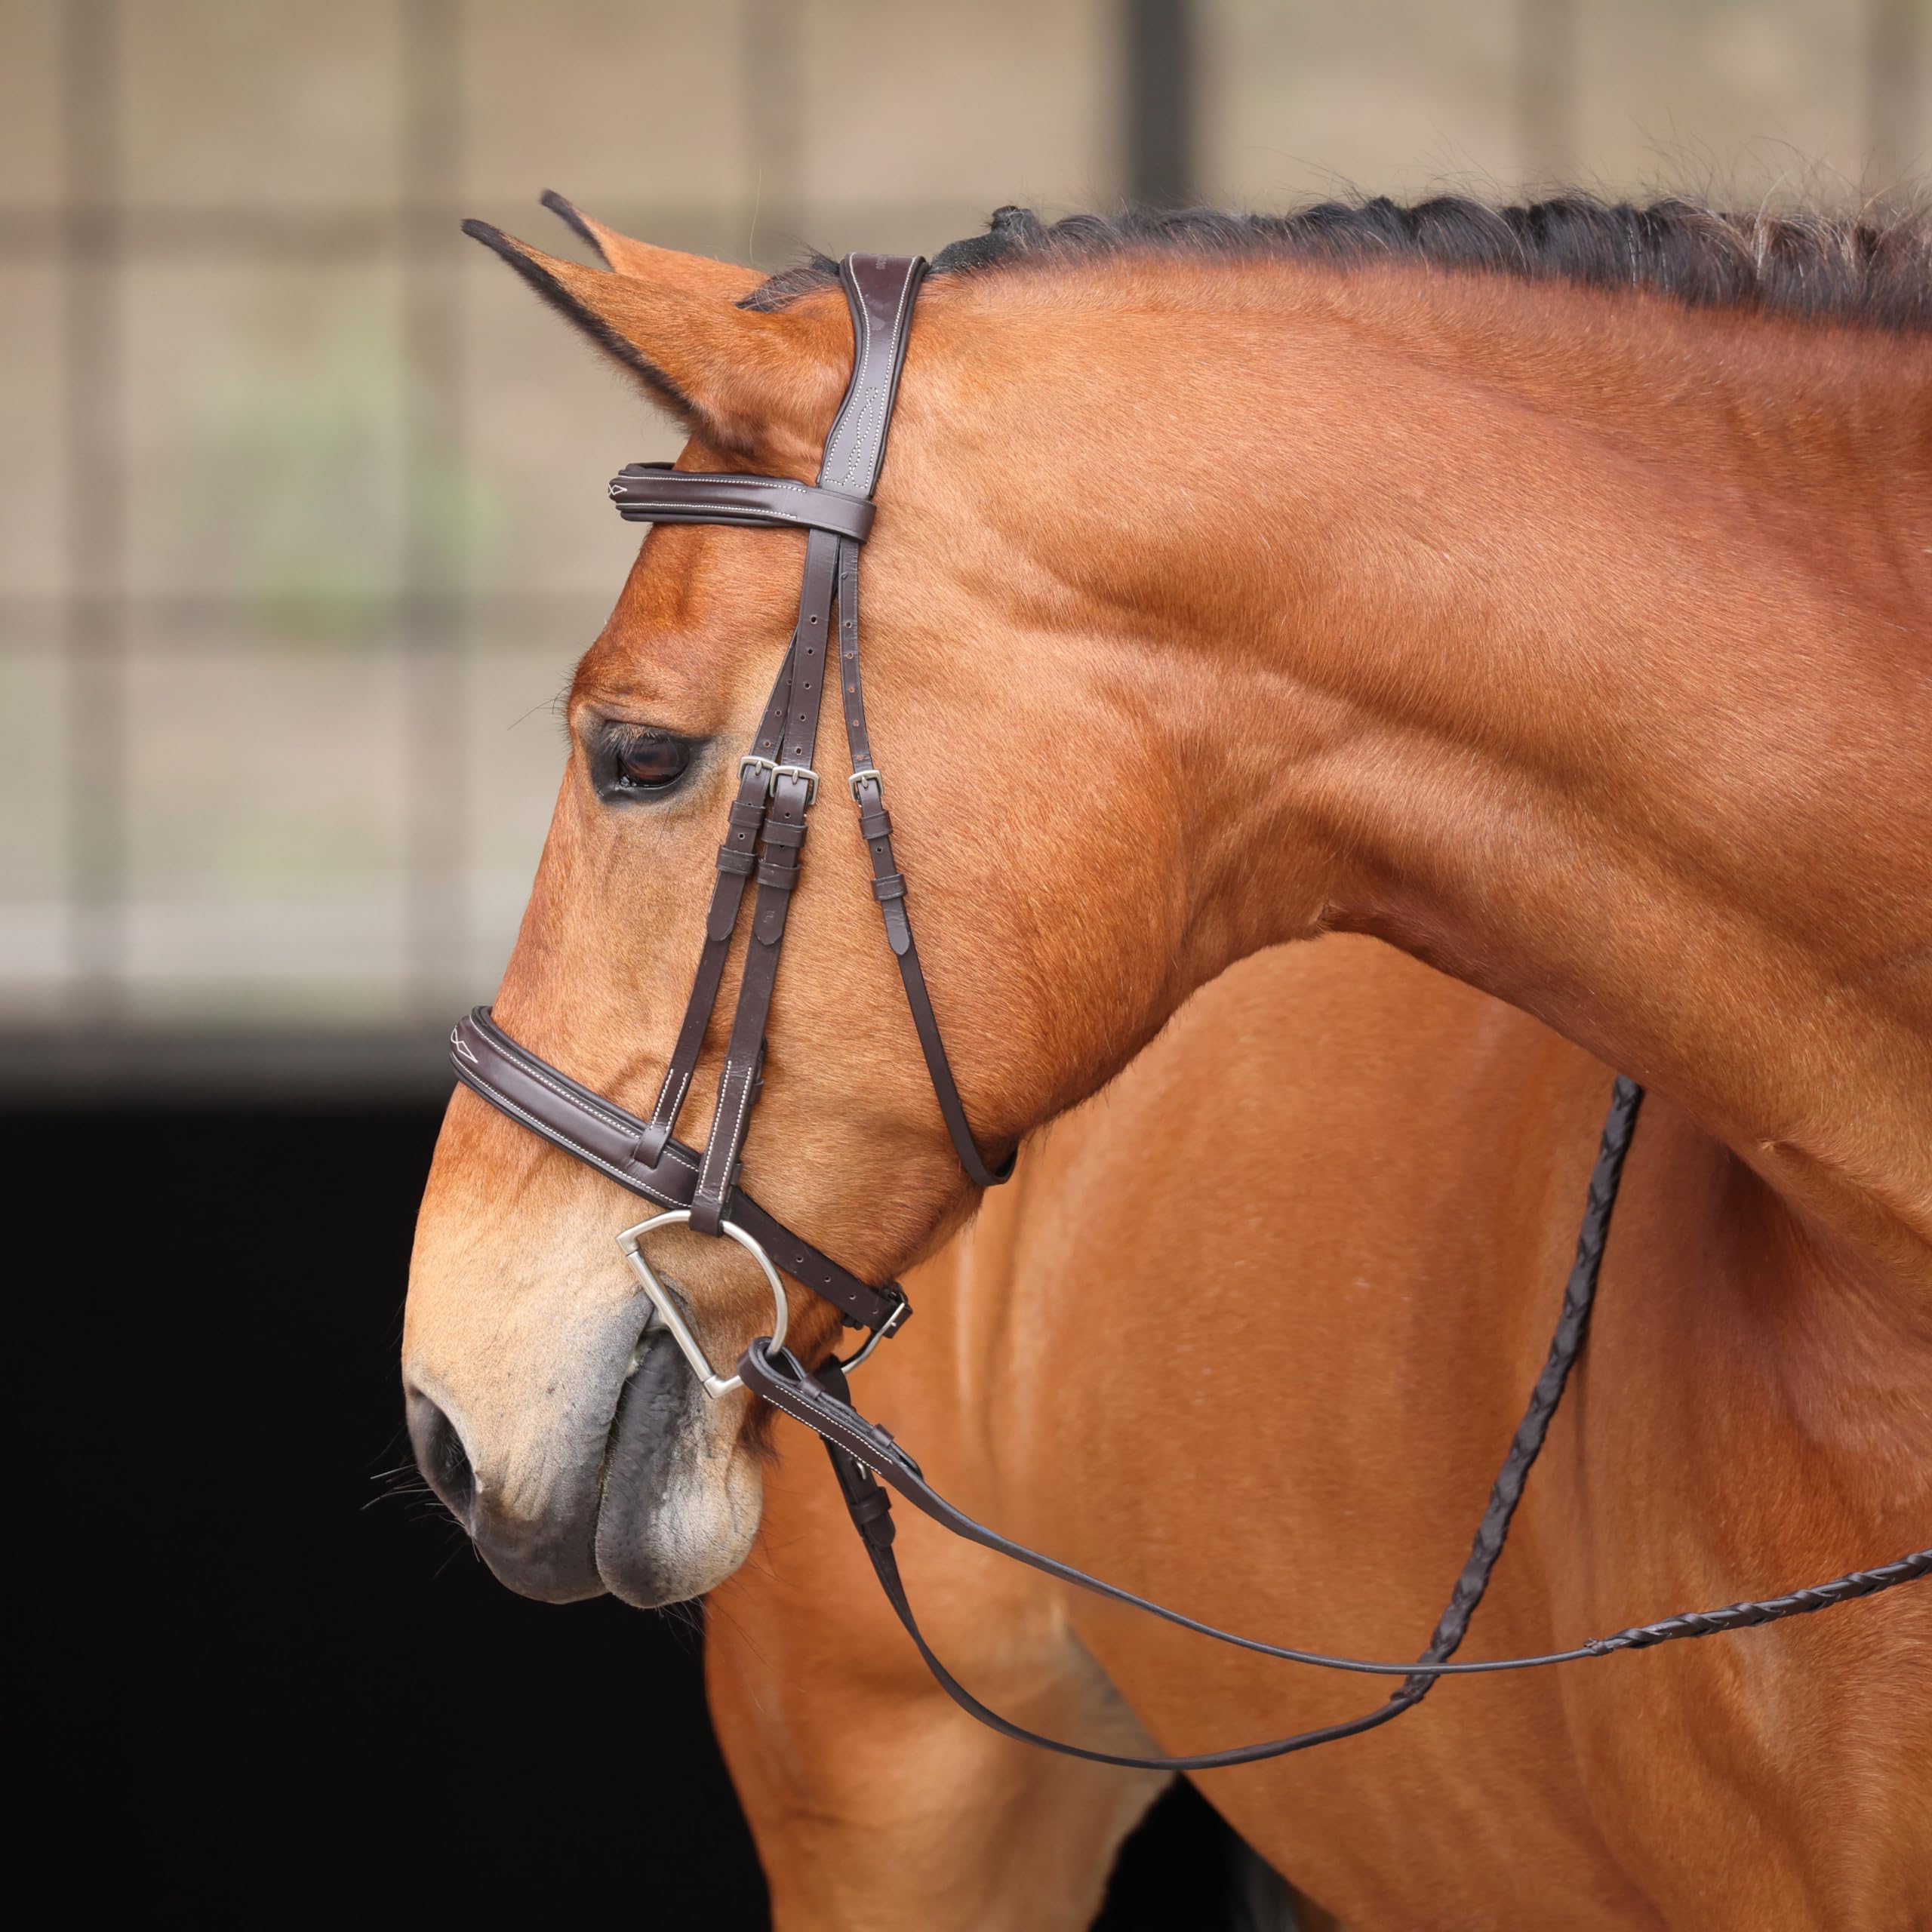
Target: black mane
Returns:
[[1874, 269]]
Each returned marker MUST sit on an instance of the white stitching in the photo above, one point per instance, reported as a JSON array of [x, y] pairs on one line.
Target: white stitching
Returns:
[[858, 390], [737, 1128], [544, 1131], [775, 510], [658, 1105], [779, 483], [621, 1123], [598, 1108], [740, 482], [848, 1439], [663, 1116], [860, 380], [608, 1116]]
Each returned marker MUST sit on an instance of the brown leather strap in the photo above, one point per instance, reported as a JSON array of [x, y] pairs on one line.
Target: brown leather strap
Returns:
[[737, 860], [889, 885], [879, 291], [602, 1135], [794, 789], [858, 1449], [656, 493], [764, 836], [879, 294]]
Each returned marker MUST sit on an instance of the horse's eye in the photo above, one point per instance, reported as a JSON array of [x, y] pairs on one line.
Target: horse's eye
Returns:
[[650, 763]]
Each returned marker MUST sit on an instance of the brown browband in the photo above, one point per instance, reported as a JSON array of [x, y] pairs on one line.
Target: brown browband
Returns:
[[656, 492], [764, 838]]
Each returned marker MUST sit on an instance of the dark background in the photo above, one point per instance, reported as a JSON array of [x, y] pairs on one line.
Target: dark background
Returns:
[[272, 1681]]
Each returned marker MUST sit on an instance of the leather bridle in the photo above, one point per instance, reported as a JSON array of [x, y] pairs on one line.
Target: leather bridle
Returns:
[[777, 786]]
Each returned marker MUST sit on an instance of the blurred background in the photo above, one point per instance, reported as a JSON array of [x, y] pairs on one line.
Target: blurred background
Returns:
[[303, 525], [304, 530]]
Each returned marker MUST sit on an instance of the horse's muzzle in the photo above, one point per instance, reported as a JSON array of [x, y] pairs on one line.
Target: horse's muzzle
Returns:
[[552, 1558]]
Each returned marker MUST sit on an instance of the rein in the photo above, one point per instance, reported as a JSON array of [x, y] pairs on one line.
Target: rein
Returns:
[[777, 787]]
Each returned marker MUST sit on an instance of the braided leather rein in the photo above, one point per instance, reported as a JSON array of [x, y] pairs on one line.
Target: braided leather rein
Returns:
[[765, 835]]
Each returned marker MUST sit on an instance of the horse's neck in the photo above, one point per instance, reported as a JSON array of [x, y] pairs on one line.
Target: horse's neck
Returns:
[[1619, 710]]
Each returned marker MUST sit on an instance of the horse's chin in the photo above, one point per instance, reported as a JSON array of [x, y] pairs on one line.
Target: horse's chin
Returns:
[[681, 1491]]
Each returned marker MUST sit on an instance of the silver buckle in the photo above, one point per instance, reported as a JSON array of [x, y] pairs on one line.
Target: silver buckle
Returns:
[[885, 1332], [860, 777], [715, 1385], [803, 771], [773, 772]]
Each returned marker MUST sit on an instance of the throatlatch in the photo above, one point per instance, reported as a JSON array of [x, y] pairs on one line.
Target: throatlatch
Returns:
[[764, 840]]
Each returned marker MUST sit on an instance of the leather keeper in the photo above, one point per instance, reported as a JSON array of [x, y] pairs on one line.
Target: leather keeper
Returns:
[[893, 886], [872, 1514], [875, 824], [656, 492], [781, 875], [722, 914], [743, 863], [777, 832]]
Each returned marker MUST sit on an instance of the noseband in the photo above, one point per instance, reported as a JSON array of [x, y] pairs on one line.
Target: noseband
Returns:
[[777, 786]]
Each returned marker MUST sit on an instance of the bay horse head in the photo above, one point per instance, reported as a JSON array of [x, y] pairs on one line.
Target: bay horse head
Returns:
[[1220, 594], [1045, 789]]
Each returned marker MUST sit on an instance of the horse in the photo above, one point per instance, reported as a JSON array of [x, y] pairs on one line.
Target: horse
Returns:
[[1350, 680]]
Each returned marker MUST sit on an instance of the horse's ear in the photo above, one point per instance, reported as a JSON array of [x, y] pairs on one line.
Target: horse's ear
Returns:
[[639, 258], [747, 380]]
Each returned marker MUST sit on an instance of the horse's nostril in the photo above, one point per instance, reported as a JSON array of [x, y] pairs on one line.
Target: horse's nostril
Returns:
[[441, 1457]]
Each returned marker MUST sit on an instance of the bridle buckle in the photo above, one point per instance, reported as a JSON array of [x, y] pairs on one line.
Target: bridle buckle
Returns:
[[802, 772], [885, 1332], [773, 771]]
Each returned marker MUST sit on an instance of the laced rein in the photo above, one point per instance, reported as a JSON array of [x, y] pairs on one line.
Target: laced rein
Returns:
[[865, 1459]]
